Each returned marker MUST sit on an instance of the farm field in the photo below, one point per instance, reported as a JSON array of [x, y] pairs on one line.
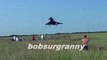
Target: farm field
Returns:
[[10, 50]]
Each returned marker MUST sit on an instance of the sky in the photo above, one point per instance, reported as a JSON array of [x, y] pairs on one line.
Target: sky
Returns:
[[30, 16]]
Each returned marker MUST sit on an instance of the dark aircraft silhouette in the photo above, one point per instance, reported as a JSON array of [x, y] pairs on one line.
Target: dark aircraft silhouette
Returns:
[[52, 22]]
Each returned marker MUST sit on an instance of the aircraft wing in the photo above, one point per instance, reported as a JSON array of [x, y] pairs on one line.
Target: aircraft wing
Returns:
[[59, 23], [47, 23]]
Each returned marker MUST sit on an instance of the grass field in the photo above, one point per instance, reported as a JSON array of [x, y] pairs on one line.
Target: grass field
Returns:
[[10, 50]]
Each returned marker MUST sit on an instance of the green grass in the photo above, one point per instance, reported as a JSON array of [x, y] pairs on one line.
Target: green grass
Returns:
[[18, 50]]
